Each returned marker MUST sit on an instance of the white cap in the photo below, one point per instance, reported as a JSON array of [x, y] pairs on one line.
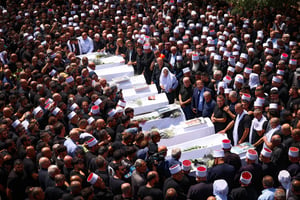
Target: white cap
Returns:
[[231, 69], [293, 62], [239, 78], [227, 90], [217, 57], [71, 115], [266, 152], [175, 169], [122, 103], [244, 55], [146, 46], [269, 64], [284, 56], [292, 43], [280, 72], [239, 64], [276, 79], [90, 120], [37, 110], [92, 142], [220, 188], [111, 113], [237, 47], [195, 57], [227, 53], [257, 104], [98, 102], [227, 79], [246, 97], [273, 106], [284, 178], [186, 70], [294, 152], [92, 178], [260, 100], [246, 177], [186, 165], [70, 79], [201, 171], [218, 153], [178, 57], [226, 144], [16, 123], [248, 70], [95, 109], [251, 154], [55, 111], [74, 106]]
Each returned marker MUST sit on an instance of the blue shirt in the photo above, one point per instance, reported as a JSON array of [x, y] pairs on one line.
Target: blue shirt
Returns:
[[208, 108], [267, 194]]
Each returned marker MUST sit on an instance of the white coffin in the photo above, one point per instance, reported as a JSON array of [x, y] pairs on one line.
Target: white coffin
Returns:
[[115, 72], [208, 143], [144, 105], [182, 135], [129, 83], [160, 123], [143, 90]]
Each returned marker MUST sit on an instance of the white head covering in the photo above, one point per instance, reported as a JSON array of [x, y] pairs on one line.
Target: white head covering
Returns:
[[220, 189], [284, 178], [167, 81], [253, 80]]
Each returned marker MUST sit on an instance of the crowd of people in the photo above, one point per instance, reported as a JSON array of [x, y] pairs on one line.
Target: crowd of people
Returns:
[[65, 133]]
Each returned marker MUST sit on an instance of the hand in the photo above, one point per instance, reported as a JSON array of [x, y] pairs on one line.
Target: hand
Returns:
[[222, 131], [213, 119], [240, 142], [226, 108], [170, 90], [194, 110]]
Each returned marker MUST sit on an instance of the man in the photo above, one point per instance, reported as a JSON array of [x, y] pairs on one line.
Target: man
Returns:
[[202, 190], [148, 59], [209, 104], [221, 170], [71, 143], [241, 125], [258, 127], [86, 43], [57, 191], [294, 167], [138, 176], [294, 192], [175, 157], [99, 187], [16, 182], [269, 190], [268, 167], [231, 158], [175, 182], [198, 98], [245, 191], [252, 167], [74, 46], [185, 98], [150, 188], [220, 118]]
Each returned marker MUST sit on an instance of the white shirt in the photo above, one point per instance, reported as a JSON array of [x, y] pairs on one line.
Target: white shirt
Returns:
[[87, 45]]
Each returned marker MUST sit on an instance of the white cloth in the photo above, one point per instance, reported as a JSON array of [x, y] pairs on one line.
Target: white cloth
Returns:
[[270, 133], [72, 47], [236, 126], [195, 67], [256, 125], [253, 80], [168, 82], [87, 45], [173, 60]]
